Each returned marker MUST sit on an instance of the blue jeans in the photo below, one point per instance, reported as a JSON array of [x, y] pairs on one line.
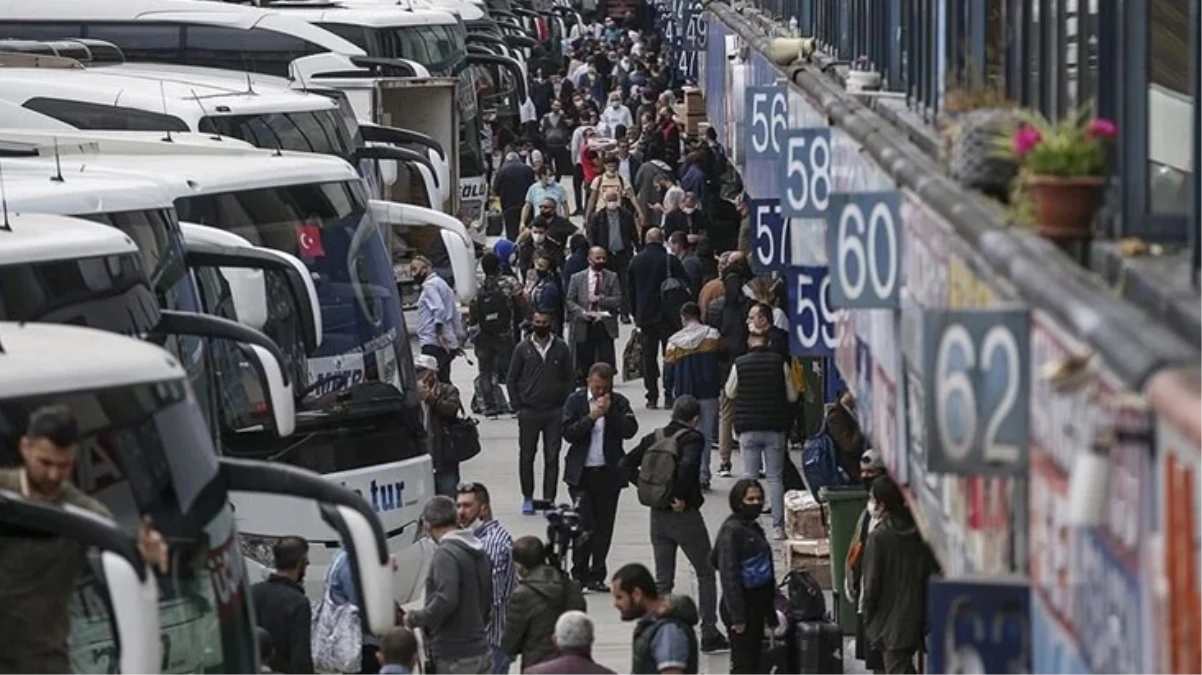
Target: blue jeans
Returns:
[[500, 661], [768, 448], [708, 426]]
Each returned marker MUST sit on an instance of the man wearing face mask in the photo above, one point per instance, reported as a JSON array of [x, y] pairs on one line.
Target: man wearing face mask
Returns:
[[616, 114], [546, 188], [474, 506], [688, 219], [511, 183], [541, 374], [557, 133], [282, 609], [594, 299], [439, 325], [616, 230], [871, 466], [609, 181], [542, 241]]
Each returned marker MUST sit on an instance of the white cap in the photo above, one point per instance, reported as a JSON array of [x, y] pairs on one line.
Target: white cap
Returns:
[[425, 362]]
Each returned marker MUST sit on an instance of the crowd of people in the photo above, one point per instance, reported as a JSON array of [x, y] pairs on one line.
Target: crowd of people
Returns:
[[663, 244]]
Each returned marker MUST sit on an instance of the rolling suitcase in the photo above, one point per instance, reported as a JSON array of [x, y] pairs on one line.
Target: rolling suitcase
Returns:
[[818, 647], [775, 660]]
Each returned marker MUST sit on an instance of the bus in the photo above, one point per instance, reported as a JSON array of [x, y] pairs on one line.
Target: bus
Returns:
[[358, 420], [146, 451]]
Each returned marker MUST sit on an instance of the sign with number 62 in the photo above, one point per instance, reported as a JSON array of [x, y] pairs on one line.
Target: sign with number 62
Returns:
[[977, 383], [863, 241]]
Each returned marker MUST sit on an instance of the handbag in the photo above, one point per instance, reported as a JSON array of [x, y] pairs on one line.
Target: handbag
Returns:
[[336, 639], [463, 437]]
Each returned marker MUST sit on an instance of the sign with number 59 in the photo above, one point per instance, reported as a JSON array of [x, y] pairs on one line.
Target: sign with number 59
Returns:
[[977, 383], [811, 318], [864, 244]]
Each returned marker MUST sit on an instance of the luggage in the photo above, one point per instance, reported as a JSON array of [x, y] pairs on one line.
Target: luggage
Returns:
[[776, 655], [806, 599], [817, 647]]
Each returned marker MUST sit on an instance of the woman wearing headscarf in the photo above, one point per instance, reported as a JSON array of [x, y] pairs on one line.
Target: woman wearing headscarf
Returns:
[[743, 558]]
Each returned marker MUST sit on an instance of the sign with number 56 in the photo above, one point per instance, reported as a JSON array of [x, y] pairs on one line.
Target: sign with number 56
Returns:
[[767, 117], [811, 318], [977, 383], [864, 243]]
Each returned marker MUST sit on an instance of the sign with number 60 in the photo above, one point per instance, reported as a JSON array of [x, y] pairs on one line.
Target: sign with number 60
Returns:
[[805, 172], [863, 241], [767, 116], [977, 383], [811, 318]]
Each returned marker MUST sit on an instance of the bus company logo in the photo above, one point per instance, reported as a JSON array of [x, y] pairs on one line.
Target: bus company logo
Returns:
[[474, 189], [384, 496]]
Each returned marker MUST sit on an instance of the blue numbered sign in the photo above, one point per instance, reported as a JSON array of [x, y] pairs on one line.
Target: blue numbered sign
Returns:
[[976, 388], [686, 64], [766, 116], [811, 317], [863, 241], [770, 252], [805, 172], [694, 28]]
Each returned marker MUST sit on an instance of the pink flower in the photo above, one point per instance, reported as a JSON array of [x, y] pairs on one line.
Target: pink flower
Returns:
[[1101, 128], [1025, 140]]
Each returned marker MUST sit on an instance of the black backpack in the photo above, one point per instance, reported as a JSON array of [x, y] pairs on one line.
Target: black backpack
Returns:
[[493, 309], [674, 292]]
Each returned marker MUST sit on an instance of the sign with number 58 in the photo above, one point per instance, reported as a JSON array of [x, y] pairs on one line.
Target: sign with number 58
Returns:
[[977, 383], [805, 172], [864, 244], [811, 317]]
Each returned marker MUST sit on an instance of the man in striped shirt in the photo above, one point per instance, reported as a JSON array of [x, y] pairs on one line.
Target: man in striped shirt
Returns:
[[475, 514]]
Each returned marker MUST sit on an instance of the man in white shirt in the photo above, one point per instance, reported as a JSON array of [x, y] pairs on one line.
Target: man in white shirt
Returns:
[[616, 114], [596, 422]]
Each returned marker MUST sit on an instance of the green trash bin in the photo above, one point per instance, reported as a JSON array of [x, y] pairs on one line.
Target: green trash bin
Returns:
[[844, 506]]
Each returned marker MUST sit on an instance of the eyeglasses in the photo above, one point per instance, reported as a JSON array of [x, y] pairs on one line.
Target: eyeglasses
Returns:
[[466, 488]]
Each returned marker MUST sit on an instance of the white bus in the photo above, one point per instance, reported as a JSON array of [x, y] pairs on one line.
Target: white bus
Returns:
[[358, 422], [146, 451]]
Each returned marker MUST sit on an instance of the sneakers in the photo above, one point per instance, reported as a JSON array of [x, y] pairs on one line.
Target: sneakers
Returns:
[[714, 643], [527, 507], [705, 486], [724, 470], [597, 586], [778, 534]]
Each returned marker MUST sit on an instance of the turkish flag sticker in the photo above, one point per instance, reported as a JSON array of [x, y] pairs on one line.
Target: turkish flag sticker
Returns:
[[308, 240]]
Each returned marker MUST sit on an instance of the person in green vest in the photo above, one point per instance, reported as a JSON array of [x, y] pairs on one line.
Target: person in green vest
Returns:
[[665, 637]]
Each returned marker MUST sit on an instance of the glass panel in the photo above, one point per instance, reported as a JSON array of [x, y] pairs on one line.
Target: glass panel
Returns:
[[108, 293], [1170, 107], [141, 41], [319, 131], [83, 115]]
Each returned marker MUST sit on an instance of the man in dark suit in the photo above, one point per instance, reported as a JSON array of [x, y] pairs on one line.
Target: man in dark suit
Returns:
[[596, 420], [648, 271], [613, 229], [594, 299], [511, 183]]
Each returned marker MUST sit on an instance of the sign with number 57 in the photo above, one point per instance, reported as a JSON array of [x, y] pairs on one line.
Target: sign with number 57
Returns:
[[864, 245], [811, 318], [977, 383]]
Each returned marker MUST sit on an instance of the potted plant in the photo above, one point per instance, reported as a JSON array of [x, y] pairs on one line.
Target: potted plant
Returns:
[[1063, 165]]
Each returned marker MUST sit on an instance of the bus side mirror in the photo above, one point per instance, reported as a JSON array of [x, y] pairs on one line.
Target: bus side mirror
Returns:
[[343, 510], [280, 396]]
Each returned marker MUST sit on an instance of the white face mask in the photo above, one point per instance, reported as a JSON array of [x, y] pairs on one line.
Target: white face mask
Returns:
[[688, 209], [611, 205], [538, 238], [615, 104]]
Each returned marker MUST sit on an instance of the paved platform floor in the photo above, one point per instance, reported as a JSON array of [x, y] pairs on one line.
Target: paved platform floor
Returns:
[[497, 467]]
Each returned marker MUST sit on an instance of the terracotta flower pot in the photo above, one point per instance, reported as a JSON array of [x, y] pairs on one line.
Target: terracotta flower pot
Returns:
[[1064, 207]]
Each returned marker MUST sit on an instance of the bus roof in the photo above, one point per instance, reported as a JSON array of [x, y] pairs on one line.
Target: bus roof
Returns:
[[371, 15], [176, 11], [39, 359], [182, 170], [29, 188], [189, 101], [41, 237]]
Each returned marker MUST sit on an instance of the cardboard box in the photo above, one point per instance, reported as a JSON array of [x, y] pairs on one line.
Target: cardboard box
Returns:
[[811, 555], [694, 102], [803, 516]]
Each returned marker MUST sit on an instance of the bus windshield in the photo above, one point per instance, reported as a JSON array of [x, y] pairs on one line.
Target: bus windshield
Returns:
[[109, 293], [318, 131], [329, 227], [161, 243], [442, 50], [145, 451]]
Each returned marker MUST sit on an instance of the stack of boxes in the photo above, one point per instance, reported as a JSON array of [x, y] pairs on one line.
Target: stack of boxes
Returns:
[[806, 545], [692, 111]]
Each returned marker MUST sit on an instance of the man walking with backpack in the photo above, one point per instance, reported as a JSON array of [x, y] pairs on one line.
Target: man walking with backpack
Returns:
[[492, 311], [656, 281], [666, 469]]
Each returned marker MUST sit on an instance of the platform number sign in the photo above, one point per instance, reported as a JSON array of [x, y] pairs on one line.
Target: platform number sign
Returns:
[[805, 172], [811, 316], [686, 65], [863, 241], [770, 252], [695, 28], [976, 380], [766, 115]]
